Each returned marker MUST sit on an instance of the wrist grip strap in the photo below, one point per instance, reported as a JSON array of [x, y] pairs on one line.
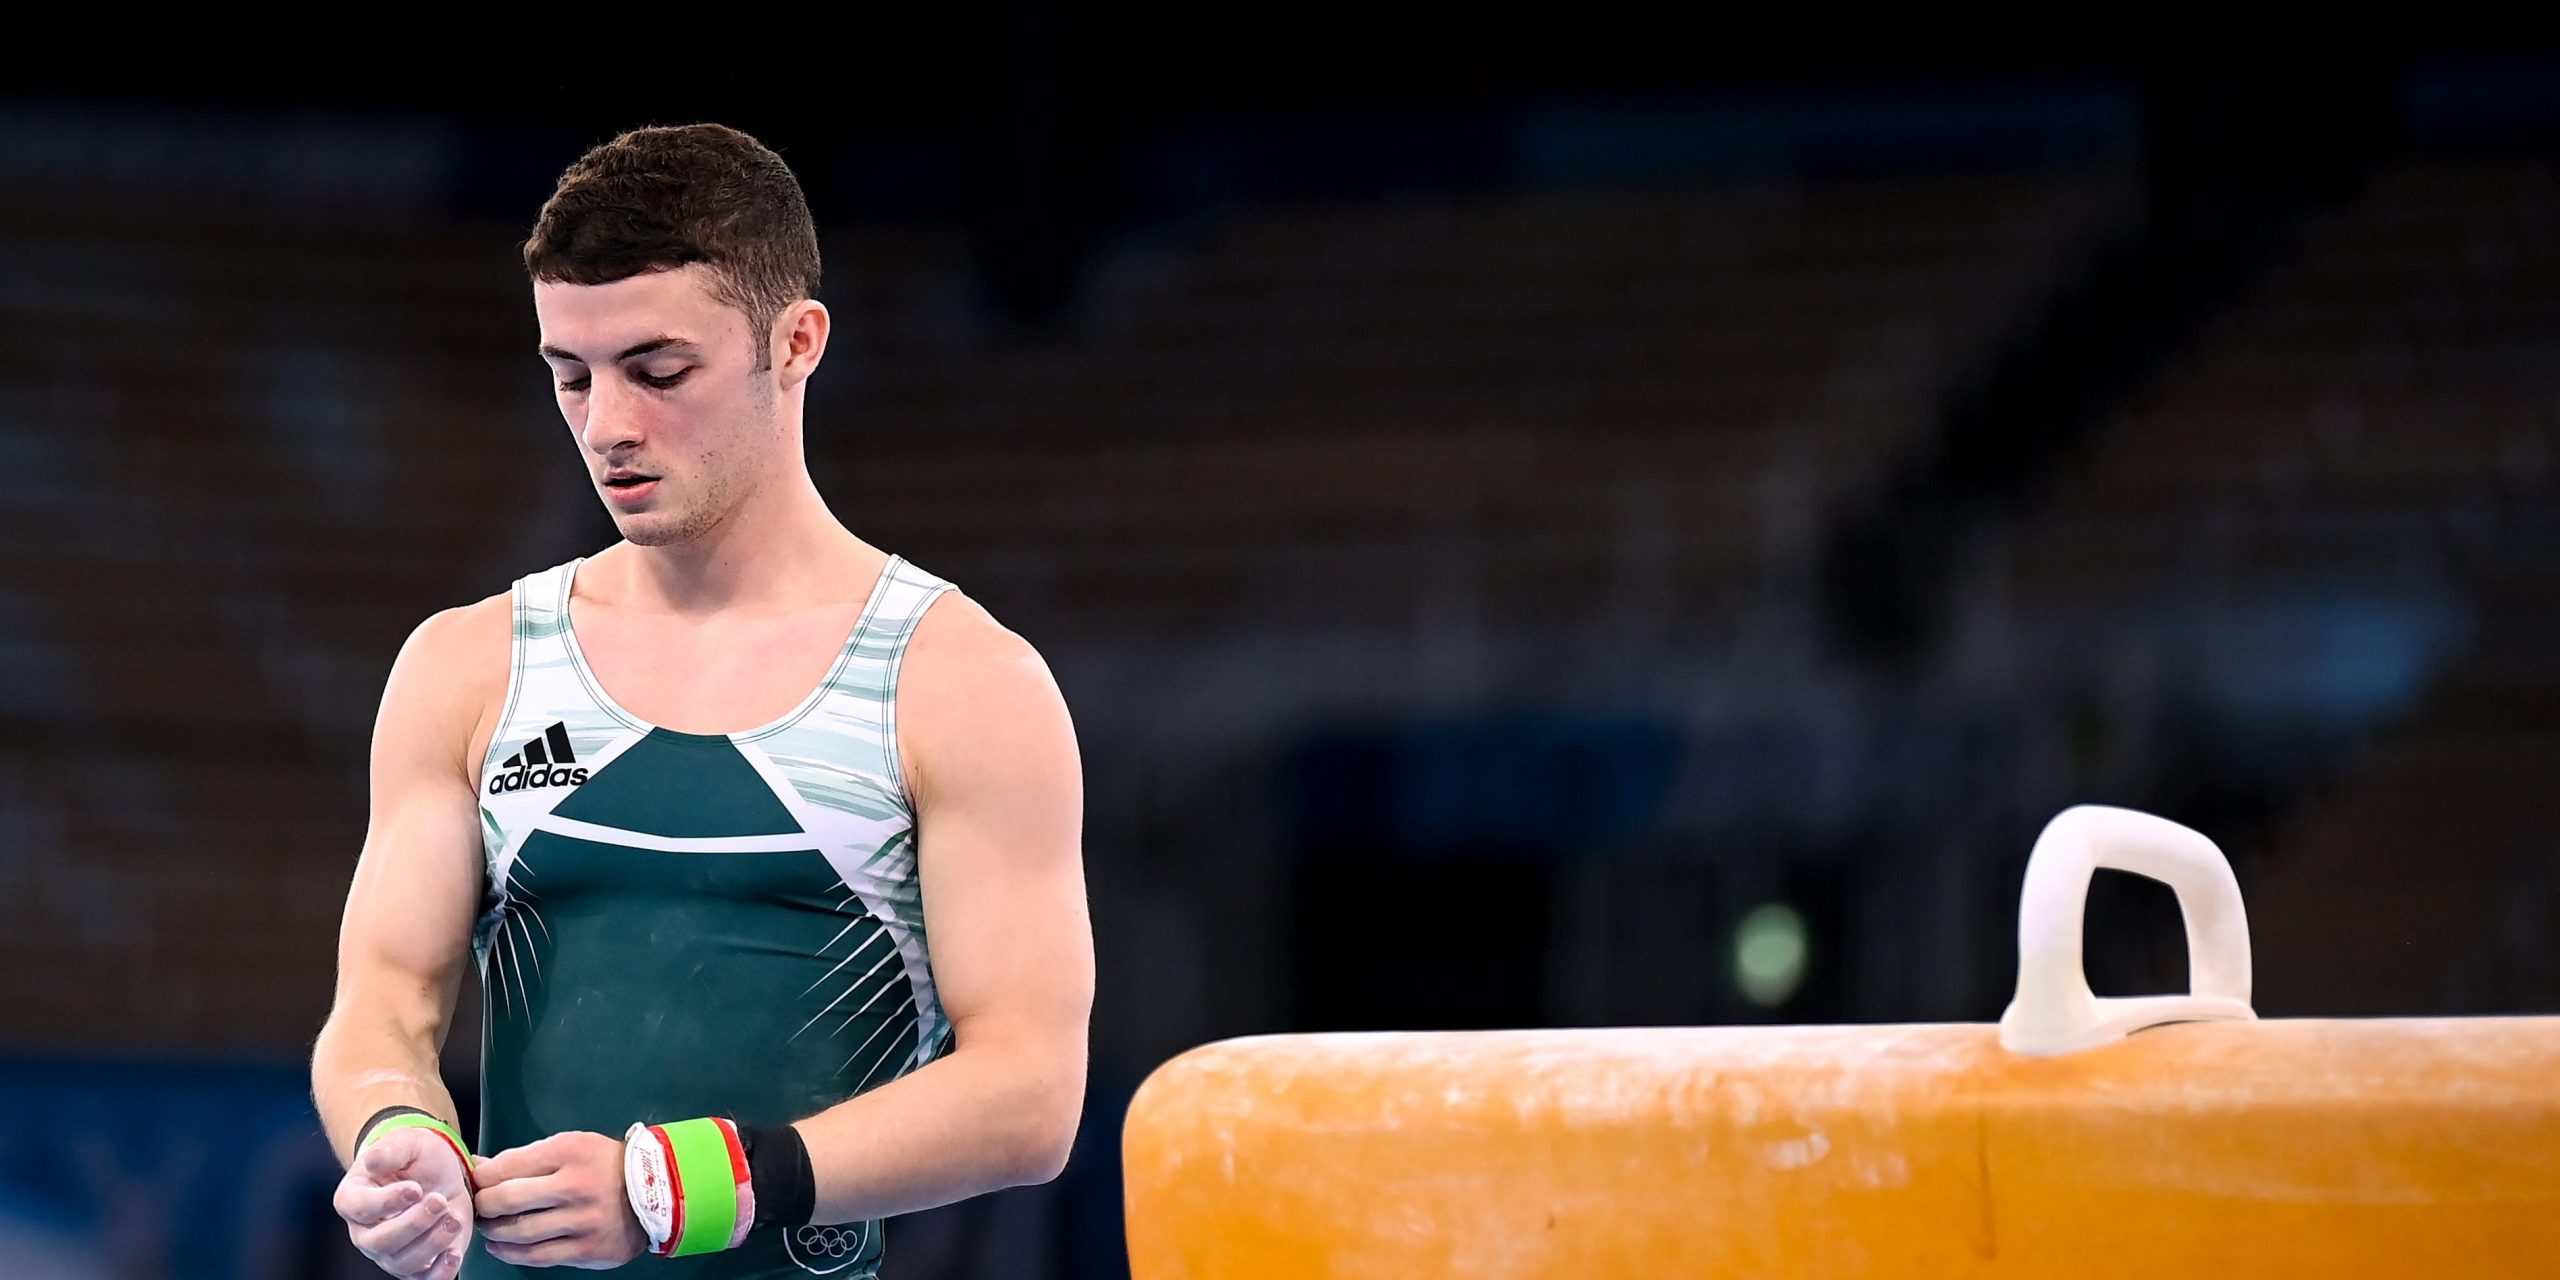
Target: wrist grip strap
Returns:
[[390, 1118], [688, 1185]]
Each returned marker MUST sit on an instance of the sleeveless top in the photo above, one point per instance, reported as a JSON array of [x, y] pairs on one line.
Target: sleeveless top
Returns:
[[682, 924]]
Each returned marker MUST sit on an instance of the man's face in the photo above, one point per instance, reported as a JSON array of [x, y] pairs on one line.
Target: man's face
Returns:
[[659, 382]]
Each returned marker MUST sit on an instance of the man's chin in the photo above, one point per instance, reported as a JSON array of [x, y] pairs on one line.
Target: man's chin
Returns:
[[649, 528]]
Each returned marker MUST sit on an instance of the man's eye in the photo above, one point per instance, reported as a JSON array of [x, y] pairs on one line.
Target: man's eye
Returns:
[[579, 385], [667, 381]]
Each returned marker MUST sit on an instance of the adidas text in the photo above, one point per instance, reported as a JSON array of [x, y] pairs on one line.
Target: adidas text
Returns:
[[550, 775]]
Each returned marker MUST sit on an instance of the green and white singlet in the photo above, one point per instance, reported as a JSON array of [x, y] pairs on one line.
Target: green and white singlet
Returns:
[[684, 924]]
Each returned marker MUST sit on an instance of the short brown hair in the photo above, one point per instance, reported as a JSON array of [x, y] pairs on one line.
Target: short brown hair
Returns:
[[658, 198]]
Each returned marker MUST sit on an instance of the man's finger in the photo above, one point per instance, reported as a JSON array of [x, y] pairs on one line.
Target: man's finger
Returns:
[[445, 1266], [519, 1195], [380, 1162], [530, 1228], [531, 1160], [383, 1241], [420, 1255], [415, 1152], [364, 1204]]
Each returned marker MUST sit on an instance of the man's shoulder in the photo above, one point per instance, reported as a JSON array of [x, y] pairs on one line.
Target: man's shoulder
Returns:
[[963, 666], [446, 681], [975, 699], [463, 645], [466, 629], [957, 636]]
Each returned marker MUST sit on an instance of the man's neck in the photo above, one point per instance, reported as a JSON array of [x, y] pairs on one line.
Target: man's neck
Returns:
[[780, 550]]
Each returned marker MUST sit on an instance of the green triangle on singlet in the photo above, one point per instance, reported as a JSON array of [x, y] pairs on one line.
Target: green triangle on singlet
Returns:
[[680, 784]]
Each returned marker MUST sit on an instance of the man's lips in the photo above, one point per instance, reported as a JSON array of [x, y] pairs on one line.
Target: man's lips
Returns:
[[629, 488]]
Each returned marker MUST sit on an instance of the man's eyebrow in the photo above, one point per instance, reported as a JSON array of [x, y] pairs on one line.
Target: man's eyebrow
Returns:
[[659, 343]]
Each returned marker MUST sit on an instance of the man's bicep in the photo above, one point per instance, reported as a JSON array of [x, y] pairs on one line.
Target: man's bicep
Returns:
[[416, 888], [1000, 810]]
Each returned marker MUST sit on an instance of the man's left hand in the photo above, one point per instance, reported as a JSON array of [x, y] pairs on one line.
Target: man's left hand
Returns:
[[557, 1202]]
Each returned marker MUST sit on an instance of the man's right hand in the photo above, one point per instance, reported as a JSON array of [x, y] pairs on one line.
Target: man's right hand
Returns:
[[407, 1202]]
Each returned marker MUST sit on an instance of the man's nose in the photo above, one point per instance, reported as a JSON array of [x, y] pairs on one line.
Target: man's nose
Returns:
[[611, 422]]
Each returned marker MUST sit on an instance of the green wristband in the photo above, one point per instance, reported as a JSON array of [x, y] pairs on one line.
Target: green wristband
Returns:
[[710, 1185], [414, 1119], [689, 1186]]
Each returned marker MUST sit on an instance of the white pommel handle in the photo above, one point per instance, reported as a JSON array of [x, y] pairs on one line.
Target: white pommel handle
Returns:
[[2055, 1012]]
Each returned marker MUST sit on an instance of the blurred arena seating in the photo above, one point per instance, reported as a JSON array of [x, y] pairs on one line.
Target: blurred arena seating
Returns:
[[1549, 408], [2369, 414], [2375, 429], [250, 450]]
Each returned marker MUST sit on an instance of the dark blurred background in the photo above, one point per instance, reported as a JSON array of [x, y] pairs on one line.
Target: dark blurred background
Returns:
[[1539, 524]]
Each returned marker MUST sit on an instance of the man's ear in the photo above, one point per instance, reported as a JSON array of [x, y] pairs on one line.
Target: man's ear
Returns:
[[799, 340]]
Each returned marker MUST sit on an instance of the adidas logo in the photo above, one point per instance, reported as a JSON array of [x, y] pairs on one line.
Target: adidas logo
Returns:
[[542, 762]]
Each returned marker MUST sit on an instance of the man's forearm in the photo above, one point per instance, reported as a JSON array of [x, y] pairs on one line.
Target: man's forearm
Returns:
[[357, 1070], [955, 1128]]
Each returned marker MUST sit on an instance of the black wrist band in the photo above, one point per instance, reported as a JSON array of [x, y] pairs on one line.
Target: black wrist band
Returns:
[[778, 1168], [366, 1129]]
